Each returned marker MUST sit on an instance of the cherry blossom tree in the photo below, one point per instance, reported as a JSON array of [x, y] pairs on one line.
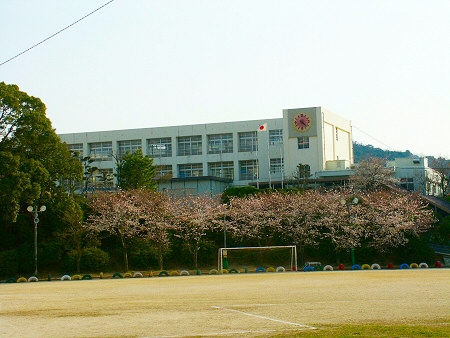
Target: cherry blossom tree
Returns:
[[372, 174], [392, 216], [255, 218], [299, 214], [116, 214], [193, 217], [155, 219]]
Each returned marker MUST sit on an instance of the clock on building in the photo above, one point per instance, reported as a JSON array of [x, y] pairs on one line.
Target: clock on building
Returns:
[[302, 122]]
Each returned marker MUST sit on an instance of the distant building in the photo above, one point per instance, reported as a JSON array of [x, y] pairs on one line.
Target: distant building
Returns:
[[414, 174], [211, 157]]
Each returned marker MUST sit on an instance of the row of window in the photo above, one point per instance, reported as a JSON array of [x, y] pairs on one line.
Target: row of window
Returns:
[[186, 145], [248, 170]]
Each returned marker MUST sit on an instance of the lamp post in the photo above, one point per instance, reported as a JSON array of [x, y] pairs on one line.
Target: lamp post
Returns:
[[35, 212], [348, 204]]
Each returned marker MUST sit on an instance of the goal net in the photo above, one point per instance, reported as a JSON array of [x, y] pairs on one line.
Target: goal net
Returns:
[[281, 258]]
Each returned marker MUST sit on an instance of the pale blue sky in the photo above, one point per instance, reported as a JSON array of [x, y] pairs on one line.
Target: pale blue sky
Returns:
[[385, 65]]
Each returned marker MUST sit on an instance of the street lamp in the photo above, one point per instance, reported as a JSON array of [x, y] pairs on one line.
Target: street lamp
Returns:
[[348, 204], [35, 212]]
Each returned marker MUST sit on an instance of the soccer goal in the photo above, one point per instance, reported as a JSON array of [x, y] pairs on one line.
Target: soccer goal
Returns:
[[281, 257]]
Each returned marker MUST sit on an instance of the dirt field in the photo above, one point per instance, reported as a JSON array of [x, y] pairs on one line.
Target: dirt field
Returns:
[[237, 305]]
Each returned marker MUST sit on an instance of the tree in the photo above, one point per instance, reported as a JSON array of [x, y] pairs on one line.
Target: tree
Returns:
[[116, 214], [391, 217], [32, 153], [372, 174], [155, 218], [255, 218], [134, 171], [301, 176], [193, 217], [74, 236]]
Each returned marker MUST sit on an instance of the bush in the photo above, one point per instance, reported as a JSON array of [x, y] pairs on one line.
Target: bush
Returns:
[[94, 259], [9, 263]]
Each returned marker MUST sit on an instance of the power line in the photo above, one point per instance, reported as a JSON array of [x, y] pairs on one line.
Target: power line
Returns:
[[373, 138], [51, 36]]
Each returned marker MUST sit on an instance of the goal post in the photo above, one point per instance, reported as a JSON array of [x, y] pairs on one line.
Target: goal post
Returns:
[[289, 260]]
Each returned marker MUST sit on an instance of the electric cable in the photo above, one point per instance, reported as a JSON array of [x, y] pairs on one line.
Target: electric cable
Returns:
[[51, 36]]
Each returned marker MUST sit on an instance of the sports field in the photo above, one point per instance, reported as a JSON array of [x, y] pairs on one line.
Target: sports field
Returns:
[[377, 303]]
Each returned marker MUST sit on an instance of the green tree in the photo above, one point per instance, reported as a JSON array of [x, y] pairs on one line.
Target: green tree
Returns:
[[135, 171], [34, 165]]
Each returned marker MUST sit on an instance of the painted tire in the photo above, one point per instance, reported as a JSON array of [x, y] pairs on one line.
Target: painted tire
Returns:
[[86, 277], [117, 274], [233, 271], [76, 277], [174, 273], [341, 267], [375, 266], [184, 273], [33, 279], [356, 267], [127, 275], [280, 269], [414, 266], [22, 280], [11, 280], [260, 269], [270, 269], [66, 277], [404, 266], [327, 268], [365, 267], [138, 274], [308, 268], [213, 272], [390, 266], [163, 273], [438, 264], [423, 265]]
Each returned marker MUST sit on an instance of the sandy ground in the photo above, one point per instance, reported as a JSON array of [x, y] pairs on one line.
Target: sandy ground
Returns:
[[223, 305]]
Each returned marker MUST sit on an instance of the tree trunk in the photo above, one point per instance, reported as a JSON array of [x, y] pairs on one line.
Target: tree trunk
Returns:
[[125, 253], [160, 258]]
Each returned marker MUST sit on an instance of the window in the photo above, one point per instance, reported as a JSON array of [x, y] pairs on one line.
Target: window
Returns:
[[276, 136], [220, 143], [407, 184], [129, 146], [248, 141], [337, 134], [221, 169], [76, 149], [190, 170], [190, 145], [102, 179], [248, 170], [276, 165], [101, 151], [303, 142], [303, 171], [159, 147], [163, 172]]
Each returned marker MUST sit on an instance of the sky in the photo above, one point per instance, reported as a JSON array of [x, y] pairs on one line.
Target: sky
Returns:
[[384, 65]]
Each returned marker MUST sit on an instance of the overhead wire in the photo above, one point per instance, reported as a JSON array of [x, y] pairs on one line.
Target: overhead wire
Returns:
[[373, 138], [60, 31]]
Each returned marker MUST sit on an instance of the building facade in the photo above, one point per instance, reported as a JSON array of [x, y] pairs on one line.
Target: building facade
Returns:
[[211, 157], [414, 174]]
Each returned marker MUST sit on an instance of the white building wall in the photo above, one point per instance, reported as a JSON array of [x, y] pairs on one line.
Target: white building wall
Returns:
[[323, 145]]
